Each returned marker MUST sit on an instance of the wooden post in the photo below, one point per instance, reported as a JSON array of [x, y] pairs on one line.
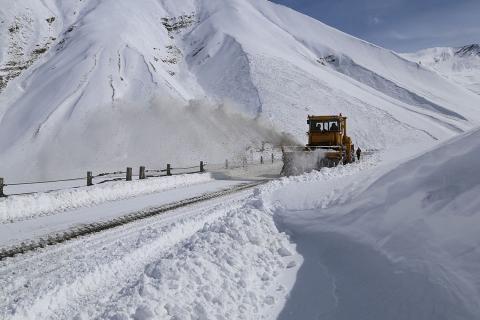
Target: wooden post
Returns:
[[141, 174], [202, 168], [226, 163], [261, 159], [2, 195], [129, 174], [169, 169], [89, 179]]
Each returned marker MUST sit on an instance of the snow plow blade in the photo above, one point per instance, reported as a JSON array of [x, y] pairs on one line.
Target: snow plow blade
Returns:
[[297, 162]]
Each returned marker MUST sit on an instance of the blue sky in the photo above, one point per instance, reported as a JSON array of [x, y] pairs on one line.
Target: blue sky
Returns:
[[401, 25]]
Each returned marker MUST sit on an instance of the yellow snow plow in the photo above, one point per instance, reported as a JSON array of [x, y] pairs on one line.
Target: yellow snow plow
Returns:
[[328, 145]]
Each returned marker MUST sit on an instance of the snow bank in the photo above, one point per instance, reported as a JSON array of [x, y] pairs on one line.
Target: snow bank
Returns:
[[16, 208], [301, 192], [404, 246], [222, 259], [230, 269]]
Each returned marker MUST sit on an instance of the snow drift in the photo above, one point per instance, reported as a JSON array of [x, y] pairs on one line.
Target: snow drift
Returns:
[[224, 259], [65, 65], [403, 247], [229, 269]]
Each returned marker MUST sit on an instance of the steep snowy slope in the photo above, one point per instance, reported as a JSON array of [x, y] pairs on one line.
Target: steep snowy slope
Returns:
[[96, 83], [406, 247], [461, 65]]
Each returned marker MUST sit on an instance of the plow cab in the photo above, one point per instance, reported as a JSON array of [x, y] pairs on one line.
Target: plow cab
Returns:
[[328, 145]]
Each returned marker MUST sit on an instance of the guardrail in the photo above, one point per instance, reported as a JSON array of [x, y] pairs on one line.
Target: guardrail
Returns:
[[143, 173]]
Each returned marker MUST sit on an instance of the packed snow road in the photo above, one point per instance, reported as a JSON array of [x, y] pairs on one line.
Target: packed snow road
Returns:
[[219, 257], [38, 216], [98, 224]]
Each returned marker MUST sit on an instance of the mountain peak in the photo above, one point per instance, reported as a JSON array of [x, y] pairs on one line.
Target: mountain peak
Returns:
[[470, 50]]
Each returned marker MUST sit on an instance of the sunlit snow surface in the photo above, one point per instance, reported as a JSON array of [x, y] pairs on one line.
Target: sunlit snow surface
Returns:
[[399, 245]]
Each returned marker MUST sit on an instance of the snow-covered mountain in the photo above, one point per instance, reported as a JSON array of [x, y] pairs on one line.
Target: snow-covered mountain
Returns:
[[106, 83], [460, 64]]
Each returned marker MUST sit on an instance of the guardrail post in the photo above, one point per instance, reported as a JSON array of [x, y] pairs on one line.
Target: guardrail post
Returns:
[[261, 159], [273, 158], [226, 163], [202, 167], [169, 169], [141, 174], [89, 178], [2, 195], [129, 174]]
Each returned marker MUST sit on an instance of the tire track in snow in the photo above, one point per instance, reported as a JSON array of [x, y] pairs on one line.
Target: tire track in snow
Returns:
[[96, 227], [103, 265]]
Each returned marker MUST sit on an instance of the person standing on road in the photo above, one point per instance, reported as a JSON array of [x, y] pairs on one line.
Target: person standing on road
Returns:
[[359, 153]]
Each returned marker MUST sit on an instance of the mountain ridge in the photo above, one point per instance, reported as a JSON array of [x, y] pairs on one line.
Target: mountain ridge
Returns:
[[458, 64], [469, 50]]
